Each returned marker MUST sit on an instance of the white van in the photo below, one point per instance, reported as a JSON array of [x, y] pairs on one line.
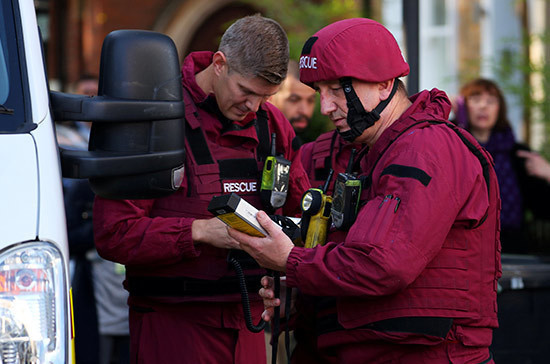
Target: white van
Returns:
[[136, 151]]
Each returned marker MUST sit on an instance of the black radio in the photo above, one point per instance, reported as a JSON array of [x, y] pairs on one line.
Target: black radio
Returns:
[[346, 196]]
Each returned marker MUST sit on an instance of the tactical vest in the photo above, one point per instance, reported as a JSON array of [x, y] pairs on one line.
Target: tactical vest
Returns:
[[211, 170], [329, 153], [417, 309]]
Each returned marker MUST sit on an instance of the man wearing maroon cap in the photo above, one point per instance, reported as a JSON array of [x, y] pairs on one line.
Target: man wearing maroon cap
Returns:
[[414, 279]]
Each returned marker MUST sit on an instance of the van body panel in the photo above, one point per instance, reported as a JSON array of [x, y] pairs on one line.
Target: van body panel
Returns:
[[18, 189]]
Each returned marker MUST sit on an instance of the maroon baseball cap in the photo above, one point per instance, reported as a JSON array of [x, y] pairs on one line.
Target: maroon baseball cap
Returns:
[[359, 48]]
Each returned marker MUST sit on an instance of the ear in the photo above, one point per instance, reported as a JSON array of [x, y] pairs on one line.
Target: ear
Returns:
[[385, 89], [219, 62]]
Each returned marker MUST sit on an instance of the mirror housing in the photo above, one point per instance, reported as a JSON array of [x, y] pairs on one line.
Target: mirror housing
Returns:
[[137, 140]]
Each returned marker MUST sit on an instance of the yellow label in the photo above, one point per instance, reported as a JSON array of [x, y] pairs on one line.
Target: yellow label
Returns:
[[238, 223], [73, 360]]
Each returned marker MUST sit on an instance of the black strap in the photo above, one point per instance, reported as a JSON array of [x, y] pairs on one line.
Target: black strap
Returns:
[[296, 143], [184, 286], [199, 146], [287, 320], [399, 170], [367, 181], [432, 326], [238, 168], [328, 160], [264, 137], [386, 148], [227, 127], [358, 119], [484, 162], [353, 99], [321, 174]]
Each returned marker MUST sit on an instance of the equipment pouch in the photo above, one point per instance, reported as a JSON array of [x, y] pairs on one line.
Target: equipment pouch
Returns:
[[275, 179], [347, 194]]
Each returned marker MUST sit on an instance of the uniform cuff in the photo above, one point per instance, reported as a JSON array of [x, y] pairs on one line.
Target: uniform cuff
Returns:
[[292, 263], [186, 246]]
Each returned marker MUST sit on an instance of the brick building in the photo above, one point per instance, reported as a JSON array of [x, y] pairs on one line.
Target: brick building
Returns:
[[76, 28]]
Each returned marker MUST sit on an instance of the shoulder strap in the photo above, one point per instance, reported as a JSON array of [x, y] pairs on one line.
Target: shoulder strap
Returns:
[[195, 137], [197, 140], [475, 151], [367, 181], [198, 145], [264, 137]]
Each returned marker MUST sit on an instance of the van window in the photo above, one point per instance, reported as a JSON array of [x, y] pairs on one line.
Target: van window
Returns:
[[12, 113]]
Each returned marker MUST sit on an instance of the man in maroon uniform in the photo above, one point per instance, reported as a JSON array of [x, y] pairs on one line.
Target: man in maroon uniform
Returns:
[[185, 303], [295, 99], [414, 280]]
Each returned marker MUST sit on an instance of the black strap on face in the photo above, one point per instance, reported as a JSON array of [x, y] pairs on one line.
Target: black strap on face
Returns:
[[358, 119]]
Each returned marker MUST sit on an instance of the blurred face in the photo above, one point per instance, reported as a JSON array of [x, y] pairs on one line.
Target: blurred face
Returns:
[[483, 111], [87, 87], [296, 101], [238, 95]]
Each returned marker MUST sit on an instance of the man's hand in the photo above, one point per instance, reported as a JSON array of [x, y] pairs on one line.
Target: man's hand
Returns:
[[214, 232], [267, 293], [535, 164], [270, 252]]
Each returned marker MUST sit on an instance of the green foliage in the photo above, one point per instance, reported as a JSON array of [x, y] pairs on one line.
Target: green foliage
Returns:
[[535, 80], [301, 19]]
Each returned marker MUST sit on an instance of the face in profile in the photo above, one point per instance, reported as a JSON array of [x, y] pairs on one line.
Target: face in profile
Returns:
[[296, 101], [483, 111], [334, 105]]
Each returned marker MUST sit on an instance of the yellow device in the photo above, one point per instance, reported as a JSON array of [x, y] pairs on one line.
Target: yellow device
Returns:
[[316, 207], [237, 213]]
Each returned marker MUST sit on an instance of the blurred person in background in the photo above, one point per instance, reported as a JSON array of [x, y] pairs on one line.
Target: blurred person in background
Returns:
[[101, 312], [523, 175], [295, 100], [79, 198]]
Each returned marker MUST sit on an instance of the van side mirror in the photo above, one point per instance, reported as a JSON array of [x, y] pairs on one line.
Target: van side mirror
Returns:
[[137, 141]]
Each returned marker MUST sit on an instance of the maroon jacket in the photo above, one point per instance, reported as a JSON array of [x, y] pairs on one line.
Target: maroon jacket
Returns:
[[153, 237], [426, 240]]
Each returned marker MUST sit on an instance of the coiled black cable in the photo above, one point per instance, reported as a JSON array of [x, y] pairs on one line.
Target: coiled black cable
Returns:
[[245, 300]]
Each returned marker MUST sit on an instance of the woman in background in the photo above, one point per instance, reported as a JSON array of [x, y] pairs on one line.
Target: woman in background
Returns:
[[524, 176]]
